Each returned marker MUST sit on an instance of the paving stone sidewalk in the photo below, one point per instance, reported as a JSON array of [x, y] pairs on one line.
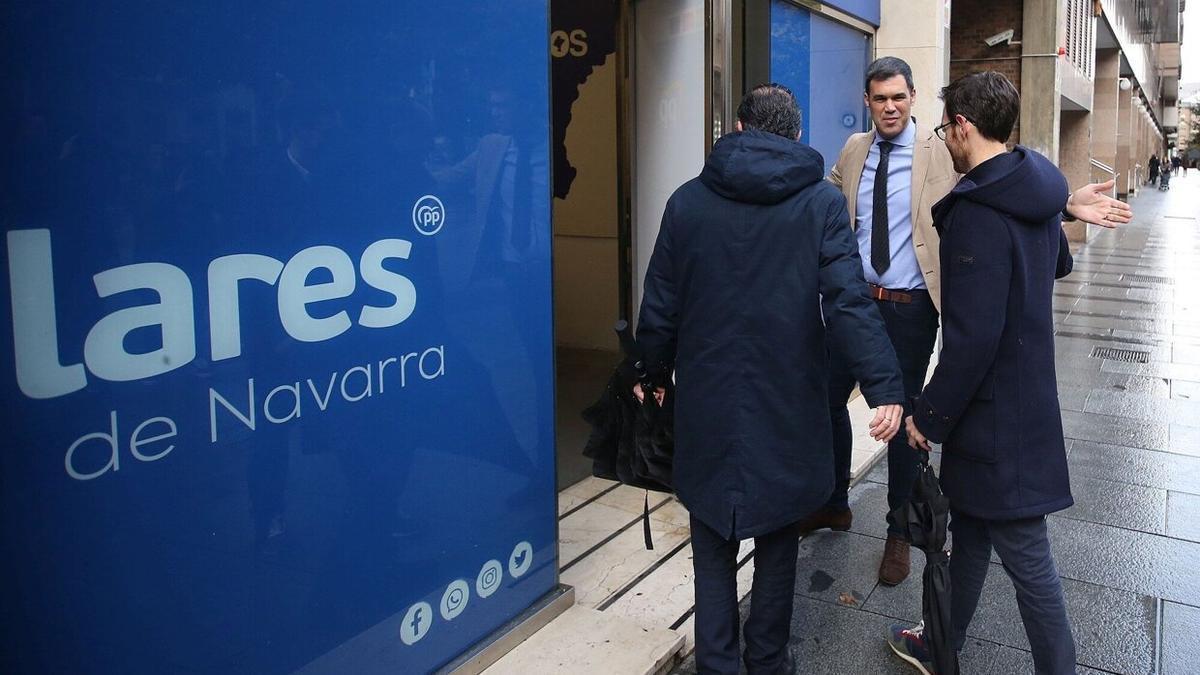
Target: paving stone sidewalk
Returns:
[[1128, 361]]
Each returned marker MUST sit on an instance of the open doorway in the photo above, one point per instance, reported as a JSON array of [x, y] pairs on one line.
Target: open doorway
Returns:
[[586, 215], [637, 97]]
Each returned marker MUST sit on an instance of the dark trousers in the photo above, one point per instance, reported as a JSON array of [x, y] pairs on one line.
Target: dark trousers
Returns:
[[912, 328], [1024, 549], [769, 626]]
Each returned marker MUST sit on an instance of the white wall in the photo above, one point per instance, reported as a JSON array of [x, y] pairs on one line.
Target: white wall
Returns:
[[918, 31], [669, 118]]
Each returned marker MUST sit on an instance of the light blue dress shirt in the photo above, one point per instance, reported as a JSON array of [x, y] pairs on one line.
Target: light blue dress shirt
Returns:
[[904, 272]]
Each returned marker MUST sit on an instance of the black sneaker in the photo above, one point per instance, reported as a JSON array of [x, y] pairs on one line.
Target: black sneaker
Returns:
[[909, 644]]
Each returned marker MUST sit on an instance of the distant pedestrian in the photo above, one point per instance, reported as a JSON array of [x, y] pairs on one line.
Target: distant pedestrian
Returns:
[[749, 255], [1176, 162], [992, 401], [1154, 166]]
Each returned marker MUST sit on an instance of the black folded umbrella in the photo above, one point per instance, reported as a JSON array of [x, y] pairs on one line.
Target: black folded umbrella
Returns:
[[924, 521], [632, 441]]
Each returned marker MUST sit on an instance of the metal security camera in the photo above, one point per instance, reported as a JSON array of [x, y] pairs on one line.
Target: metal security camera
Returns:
[[1005, 37]]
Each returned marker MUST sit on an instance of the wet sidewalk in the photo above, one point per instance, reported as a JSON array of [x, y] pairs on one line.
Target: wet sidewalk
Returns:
[[1128, 361]]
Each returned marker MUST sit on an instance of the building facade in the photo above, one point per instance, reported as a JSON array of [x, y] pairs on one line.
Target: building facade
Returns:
[[1189, 123], [283, 290], [1099, 79], [293, 294]]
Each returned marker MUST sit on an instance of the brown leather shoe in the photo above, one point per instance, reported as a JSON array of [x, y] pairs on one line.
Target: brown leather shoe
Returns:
[[894, 567], [827, 518]]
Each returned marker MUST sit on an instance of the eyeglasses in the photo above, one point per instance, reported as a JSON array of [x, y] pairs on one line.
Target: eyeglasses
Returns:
[[940, 130]]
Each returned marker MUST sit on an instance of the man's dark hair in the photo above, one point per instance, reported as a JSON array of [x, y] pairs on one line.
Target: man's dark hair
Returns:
[[988, 100], [885, 68], [771, 108]]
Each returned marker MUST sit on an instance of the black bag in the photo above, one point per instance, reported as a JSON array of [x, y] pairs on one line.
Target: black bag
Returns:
[[632, 442]]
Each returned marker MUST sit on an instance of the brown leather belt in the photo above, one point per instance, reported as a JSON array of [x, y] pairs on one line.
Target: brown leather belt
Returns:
[[881, 293]]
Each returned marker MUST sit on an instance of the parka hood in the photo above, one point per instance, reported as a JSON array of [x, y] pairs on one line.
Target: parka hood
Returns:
[[1021, 183], [760, 167]]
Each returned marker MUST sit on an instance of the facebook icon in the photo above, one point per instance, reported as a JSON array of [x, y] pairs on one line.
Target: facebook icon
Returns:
[[416, 623]]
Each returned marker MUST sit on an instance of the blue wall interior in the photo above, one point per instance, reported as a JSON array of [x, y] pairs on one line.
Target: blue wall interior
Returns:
[[823, 63], [207, 474], [791, 55], [867, 10]]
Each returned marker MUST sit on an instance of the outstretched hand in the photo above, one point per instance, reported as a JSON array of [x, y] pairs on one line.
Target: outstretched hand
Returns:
[[887, 422], [1090, 204]]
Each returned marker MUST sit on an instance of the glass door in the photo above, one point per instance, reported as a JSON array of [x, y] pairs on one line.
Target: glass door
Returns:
[[679, 60]]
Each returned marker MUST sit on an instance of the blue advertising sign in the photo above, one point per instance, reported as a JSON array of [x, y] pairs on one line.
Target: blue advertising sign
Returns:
[[277, 354]]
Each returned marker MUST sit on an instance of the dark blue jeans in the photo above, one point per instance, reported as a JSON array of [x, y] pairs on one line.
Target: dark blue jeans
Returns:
[[769, 626], [912, 328], [1024, 549]]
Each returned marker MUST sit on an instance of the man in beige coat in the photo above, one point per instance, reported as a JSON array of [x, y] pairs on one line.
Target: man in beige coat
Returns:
[[891, 178]]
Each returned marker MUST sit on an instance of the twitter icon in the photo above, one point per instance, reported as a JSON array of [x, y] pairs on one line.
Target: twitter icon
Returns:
[[520, 560]]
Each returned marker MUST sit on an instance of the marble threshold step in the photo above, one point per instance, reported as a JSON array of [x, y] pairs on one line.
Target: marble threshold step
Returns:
[[634, 607]]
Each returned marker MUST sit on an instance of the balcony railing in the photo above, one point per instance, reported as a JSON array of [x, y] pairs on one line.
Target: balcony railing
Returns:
[[1102, 172]]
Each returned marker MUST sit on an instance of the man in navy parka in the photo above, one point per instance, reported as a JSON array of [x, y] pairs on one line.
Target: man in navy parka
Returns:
[[750, 255], [992, 401]]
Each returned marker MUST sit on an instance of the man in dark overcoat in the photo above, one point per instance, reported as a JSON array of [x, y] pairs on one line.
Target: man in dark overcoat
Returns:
[[749, 257], [992, 401]]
